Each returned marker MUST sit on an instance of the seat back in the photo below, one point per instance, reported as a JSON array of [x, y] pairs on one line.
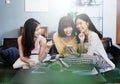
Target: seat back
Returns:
[[107, 43], [10, 42]]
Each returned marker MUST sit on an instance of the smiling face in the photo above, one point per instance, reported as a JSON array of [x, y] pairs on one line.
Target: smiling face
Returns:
[[68, 31], [82, 25]]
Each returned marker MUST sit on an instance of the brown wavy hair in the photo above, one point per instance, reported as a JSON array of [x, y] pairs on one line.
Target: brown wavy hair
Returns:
[[65, 21]]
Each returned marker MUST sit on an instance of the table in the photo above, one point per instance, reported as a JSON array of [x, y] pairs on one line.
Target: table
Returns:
[[51, 76]]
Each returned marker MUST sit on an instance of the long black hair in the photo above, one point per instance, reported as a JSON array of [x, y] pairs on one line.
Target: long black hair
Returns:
[[91, 27], [65, 21], [28, 36]]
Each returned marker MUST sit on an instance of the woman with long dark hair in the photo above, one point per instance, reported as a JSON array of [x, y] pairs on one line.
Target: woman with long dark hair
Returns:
[[31, 45], [90, 43]]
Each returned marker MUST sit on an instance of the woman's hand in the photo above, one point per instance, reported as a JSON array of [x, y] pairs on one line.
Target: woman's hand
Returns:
[[31, 63], [81, 37], [56, 58]]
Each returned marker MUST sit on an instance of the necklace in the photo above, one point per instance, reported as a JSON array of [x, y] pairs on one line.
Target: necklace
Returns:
[[67, 39]]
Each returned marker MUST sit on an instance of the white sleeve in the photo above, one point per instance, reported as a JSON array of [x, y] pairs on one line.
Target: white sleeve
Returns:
[[95, 45]]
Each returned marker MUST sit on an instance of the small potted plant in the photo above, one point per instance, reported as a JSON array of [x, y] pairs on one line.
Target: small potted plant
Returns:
[[72, 14]]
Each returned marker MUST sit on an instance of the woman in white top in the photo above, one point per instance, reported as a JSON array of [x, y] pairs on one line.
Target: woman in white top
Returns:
[[31, 45], [90, 43]]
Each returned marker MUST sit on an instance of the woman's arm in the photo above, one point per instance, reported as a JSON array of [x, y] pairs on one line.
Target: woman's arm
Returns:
[[42, 50], [82, 48]]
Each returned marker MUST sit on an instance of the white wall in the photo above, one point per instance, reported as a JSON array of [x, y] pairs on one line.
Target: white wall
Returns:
[[13, 15], [109, 16]]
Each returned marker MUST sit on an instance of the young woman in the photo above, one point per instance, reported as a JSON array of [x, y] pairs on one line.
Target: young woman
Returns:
[[65, 40], [90, 43], [31, 45]]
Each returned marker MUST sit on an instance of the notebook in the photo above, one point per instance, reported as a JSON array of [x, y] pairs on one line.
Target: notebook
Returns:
[[79, 65]]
